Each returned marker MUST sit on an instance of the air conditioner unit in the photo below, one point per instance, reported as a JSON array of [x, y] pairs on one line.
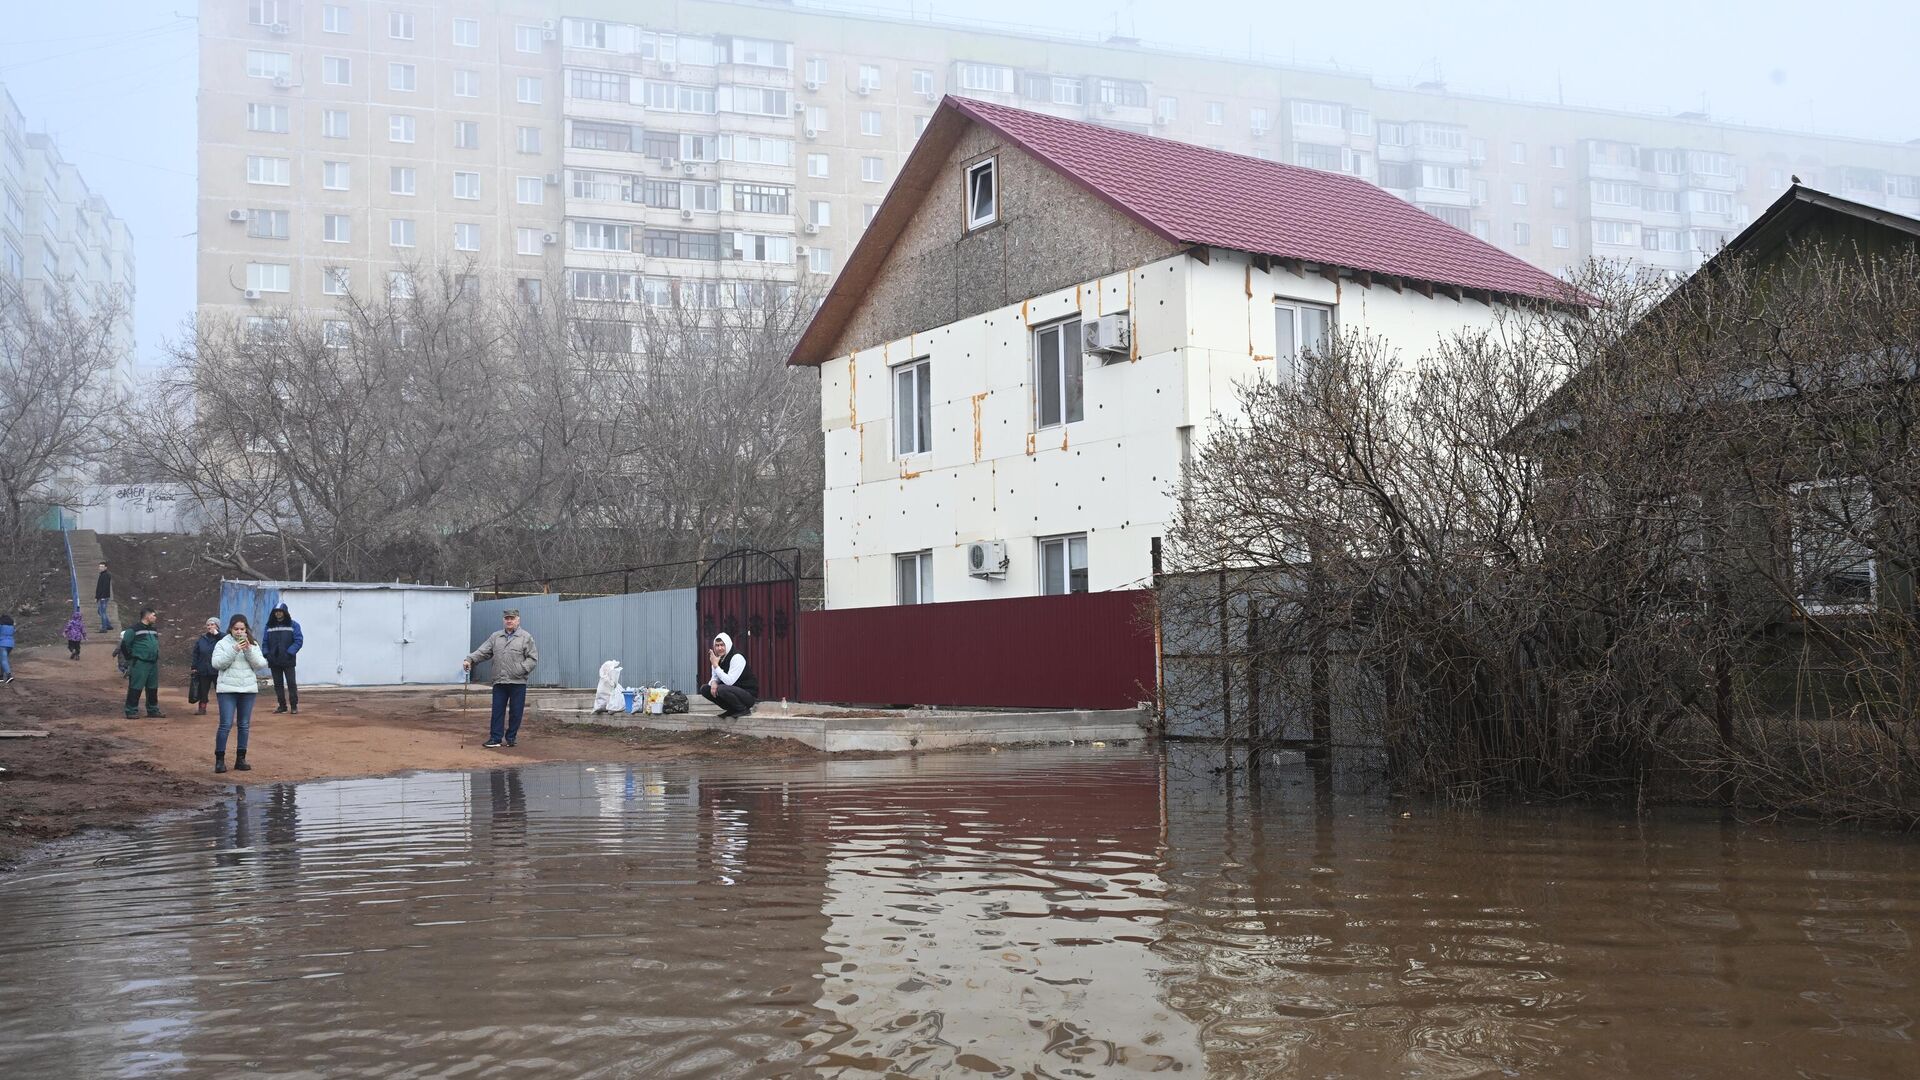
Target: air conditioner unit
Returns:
[[281, 82], [549, 238], [799, 109], [667, 67], [669, 164], [687, 168], [813, 84], [987, 559], [1107, 107], [800, 250], [813, 228], [686, 215], [812, 133], [548, 35], [236, 215], [863, 89], [926, 95], [250, 294], [552, 179], [279, 28], [1111, 336]]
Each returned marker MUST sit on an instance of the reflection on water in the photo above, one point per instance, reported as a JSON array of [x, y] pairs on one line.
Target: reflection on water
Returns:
[[1048, 914]]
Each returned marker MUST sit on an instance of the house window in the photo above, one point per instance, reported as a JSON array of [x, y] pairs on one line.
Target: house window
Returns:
[[466, 33], [1063, 565], [402, 77], [400, 25], [400, 232], [869, 77], [530, 190], [1166, 110], [527, 89], [872, 170], [269, 277], [466, 236], [912, 410], [820, 213], [913, 575], [400, 129], [527, 140], [527, 38], [1298, 327], [271, 118], [1562, 236], [983, 194], [337, 229], [1519, 154], [816, 70], [1519, 194], [336, 71], [817, 165], [277, 171], [466, 135], [1522, 234], [336, 175], [267, 224], [530, 288], [1058, 371], [336, 19], [923, 82], [869, 121], [336, 280], [336, 124], [269, 65], [266, 328], [466, 83], [400, 180], [820, 260], [466, 185], [1834, 569], [529, 241], [1558, 156]]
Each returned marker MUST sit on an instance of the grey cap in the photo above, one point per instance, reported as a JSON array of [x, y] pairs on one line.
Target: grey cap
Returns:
[[510, 613]]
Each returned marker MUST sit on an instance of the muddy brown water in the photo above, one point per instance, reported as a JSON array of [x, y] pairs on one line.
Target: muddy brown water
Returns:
[[1076, 913]]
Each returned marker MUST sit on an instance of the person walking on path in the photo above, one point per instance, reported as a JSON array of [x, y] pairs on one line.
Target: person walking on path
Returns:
[[239, 662], [76, 632], [200, 680], [6, 649], [140, 646], [103, 597], [732, 686], [281, 643], [514, 657]]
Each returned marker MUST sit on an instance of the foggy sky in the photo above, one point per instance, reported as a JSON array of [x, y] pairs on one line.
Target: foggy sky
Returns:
[[122, 101]]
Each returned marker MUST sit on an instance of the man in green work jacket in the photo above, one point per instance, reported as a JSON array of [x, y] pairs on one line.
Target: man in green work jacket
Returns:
[[140, 645]]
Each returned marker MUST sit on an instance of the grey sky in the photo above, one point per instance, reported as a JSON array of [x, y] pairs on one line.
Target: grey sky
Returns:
[[114, 79]]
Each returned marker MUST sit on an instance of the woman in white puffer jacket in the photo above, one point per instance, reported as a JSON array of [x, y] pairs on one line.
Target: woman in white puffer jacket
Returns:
[[238, 664]]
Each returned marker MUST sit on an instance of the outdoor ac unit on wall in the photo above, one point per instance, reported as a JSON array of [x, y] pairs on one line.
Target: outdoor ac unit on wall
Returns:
[[1109, 336], [987, 559]]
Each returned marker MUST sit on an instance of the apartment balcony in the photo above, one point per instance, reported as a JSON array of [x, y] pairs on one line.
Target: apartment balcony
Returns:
[[1609, 170], [619, 112], [1708, 182], [1441, 197], [1107, 112], [755, 75], [607, 60], [1440, 155]]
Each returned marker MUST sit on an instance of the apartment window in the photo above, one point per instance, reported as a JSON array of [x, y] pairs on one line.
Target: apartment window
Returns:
[[466, 134], [526, 89], [920, 125], [597, 85], [1481, 230], [530, 190], [1316, 113], [1298, 327], [817, 165], [1443, 177], [1058, 371], [272, 118], [993, 78], [602, 285], [527, 39], [1257, 120], [266, 328], [816, 70], [760, 248], [1834, 568], [267, 224], [277, 171], [466, 236], [336, 71], [336, 280], [400, 129], [269, 277], [869, 77], [1360, 121], [530, 289], [912, 410], [1393, 134], [602, 236], [399, 285], [1216, 112], [336, 124], [466, 33], [820, 260], [820, 213], [466, 83], [1562, 236], [913, 577], [402, 77], [983, 194], [1518, 153], [466, 185], [400, 180], [527, 139], [336, 175], [762, 198], [336, 19], [867, 211], [400, 232], [1166, 110], [262, 64], [1613, 232], [1519, 194], [336, 229], [400, 25], [1522, 234], [1477, 150], [1558, 196], [336, 334], [869, 121], [1063, 565], [1660, 202], [529, 241], [923, 82], [1557, 155], [872, 170]]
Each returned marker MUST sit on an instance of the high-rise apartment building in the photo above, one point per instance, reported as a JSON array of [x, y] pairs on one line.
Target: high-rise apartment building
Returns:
[[57, 234], [684, 151]]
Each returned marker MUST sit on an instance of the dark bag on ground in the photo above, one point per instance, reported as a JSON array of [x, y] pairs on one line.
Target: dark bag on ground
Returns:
[[674, 702]]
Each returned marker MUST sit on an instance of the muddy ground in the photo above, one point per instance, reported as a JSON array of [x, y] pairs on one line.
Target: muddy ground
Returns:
[[97, 770]]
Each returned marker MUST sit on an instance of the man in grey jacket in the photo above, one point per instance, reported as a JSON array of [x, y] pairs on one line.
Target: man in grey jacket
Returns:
[[514, 657]]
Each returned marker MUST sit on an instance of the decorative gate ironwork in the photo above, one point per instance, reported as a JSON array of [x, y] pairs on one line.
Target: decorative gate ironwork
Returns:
[[753, 596]]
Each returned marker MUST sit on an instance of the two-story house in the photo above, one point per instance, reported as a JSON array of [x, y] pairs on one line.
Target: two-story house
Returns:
[[1046, 315]]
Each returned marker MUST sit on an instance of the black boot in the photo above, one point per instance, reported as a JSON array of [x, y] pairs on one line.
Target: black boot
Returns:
[[240, 762], [219, 763]]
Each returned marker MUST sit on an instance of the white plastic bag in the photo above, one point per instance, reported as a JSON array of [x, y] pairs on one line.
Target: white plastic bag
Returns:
[[606, 695]]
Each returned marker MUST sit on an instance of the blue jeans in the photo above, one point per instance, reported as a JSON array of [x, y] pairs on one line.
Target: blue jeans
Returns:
[[234, 707], [6, 663], [509, 702], [102, 605]]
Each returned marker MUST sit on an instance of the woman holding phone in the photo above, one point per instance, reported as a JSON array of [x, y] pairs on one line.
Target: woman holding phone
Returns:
[[238, 664]]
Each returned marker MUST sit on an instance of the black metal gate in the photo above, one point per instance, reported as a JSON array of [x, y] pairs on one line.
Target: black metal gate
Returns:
[[753, 596]]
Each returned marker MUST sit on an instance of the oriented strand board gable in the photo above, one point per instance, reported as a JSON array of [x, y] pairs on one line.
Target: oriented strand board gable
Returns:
[[1051, 234]]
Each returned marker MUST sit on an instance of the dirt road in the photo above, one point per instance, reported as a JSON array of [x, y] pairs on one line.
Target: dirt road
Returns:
[[96, 769]]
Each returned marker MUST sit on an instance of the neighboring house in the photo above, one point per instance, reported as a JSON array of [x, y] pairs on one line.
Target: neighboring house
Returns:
[[1045, 317]]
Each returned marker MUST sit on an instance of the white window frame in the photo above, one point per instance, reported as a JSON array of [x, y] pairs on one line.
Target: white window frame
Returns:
[[259, 173], [1815, 605], [336, 19], [399, 284], [336, 280], [823, 161], [471, 181], [402, 78], [873, 170], [1291, 329], [528, 89], [341, 170], [537, 185], [526, 34], [265, 224], [270, 277], [466, 134], [1068, 545], [402, 180], [466, 33], [336, 124], [528, 241], [912, 433], [989, 170], [336, 229], [915, 568], [277, 117], [466, 83], [400, 25], [267, 64], [1069, 360], [526, 139], [401, 128], [466, 236], [336, 70], [402, 232]]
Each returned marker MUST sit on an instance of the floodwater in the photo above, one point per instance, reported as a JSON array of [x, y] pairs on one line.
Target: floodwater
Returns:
[[1074, 913]]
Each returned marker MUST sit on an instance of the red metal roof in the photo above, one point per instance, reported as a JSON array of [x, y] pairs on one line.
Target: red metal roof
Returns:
[[1194, 195]]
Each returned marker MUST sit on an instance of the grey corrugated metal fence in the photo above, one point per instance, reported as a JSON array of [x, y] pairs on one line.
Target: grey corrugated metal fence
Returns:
[[655, 636]]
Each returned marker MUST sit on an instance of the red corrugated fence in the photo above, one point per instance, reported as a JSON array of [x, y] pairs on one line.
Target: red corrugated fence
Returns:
[[1086, 651]]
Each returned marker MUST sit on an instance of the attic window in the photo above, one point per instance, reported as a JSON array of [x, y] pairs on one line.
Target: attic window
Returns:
[[983, 195]]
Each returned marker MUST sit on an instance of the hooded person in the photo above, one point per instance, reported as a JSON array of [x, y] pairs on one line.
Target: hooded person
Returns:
[[731, 686], [201, 675], [606, 695], [280, 642], [6, 648], [75, 633]]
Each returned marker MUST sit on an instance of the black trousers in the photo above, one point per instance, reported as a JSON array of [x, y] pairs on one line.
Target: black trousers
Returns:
[[731, 699], [285, 690], [133, 699]]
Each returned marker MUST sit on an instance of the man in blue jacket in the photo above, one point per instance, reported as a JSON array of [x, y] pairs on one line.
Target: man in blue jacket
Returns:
[[281, 643]]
